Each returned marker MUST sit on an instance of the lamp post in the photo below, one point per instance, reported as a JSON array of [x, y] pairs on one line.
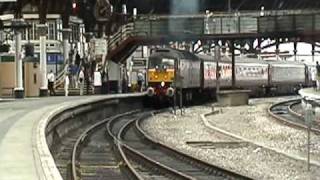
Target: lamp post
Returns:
[[217, 57], [18, 25], [43, 31], [309, 117], [65, 36]]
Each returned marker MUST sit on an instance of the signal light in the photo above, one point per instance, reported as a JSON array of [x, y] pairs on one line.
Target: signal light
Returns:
[[74, 8]]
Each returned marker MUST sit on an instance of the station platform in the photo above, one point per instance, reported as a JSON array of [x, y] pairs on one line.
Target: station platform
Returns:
[[310, 93], [19, 132]]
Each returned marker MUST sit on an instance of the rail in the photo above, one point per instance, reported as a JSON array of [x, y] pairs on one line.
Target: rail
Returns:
[[284, 113], [117, 143], [84, 136], [139, 151], [192, 160]]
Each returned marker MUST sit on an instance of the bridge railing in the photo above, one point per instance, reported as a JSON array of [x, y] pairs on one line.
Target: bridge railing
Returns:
[[122, 34], [216, 24], [236, 23]]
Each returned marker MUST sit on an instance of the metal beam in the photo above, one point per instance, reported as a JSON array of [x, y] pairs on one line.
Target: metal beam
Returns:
[[65, 13], [43, 8], [233, 64]]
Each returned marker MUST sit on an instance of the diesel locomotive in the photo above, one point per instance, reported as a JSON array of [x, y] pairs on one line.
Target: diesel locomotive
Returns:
[[171, 70]]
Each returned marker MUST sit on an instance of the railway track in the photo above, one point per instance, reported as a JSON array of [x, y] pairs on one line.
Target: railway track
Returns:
[[93, 156], [291, 113], [62, 155], [139, 150], [117, 148], [136, 169]]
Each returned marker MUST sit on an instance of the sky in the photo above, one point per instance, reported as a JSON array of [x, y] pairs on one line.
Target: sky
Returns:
[[303, 51]]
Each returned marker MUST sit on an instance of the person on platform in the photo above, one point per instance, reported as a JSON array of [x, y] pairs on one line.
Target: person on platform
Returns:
[[140, 81], [97, 82], [318, 75], [66, 85], [51, 79], [81, 81]]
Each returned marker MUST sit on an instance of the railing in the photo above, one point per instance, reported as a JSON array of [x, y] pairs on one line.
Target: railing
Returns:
[[230, 23], [124, 32], [250, 23], [60, 78]]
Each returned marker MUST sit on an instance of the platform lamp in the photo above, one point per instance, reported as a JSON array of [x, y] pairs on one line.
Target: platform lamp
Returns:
[[135, 12], [74, 7]]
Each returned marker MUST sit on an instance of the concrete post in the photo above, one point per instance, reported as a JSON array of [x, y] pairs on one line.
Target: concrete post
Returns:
[[242, 52], [313, 51], [217, 57], [43, 31], [259, 49], [18, 90], [82, 41], [295, 50], [18, 26], [233, 64], [65, 37], [277, 49], [120, 78], [88, 36]]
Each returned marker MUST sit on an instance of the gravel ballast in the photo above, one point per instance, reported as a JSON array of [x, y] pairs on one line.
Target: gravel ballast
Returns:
[[251, 122]]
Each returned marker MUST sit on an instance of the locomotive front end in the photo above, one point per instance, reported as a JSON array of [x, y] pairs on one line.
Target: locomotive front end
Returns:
[[160, 77]]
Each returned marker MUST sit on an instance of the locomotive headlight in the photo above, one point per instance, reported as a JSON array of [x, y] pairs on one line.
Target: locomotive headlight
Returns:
[[162, 84], [165, 68]]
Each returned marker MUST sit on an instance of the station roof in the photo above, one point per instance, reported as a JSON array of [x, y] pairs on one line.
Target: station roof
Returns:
[[86, 8], [174, 6], [186, 6]]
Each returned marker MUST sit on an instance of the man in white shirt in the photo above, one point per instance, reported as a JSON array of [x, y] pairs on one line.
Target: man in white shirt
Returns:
[[51, 83], [97, 82], [140, 81], [66, 85], [81, 81]]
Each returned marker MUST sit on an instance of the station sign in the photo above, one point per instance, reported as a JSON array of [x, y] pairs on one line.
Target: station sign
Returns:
[[55, 58], [139, 63]]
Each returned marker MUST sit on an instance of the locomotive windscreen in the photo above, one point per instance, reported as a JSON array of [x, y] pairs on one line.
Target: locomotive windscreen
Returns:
[[162, 63]]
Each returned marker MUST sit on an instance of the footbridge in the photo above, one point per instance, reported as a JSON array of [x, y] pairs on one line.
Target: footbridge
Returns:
[[294, 25]]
